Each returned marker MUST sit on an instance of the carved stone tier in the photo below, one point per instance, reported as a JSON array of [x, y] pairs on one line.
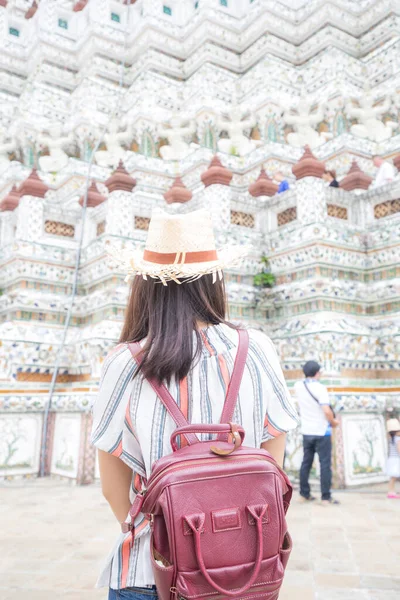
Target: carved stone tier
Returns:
[[263, 186], [120, 180], [355, 179], [32, 10], [33, 186], [216, 173], [178, 192], [308, 165], [11, 201], [94, 198]]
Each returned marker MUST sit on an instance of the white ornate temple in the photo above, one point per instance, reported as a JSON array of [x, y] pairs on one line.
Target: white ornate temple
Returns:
[[184, 104]]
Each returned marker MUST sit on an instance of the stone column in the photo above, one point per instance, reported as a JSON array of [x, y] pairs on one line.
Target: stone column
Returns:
[[94, 198], [310, 189], [218, 196], [263, 188], [30, 221], [7, 218], [87, 452], [119, 219]]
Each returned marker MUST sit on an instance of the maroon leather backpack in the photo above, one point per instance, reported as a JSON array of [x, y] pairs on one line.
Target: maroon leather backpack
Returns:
[[217, 509]]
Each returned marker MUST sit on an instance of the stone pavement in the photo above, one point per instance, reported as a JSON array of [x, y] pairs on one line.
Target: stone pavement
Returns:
[[55, 535]]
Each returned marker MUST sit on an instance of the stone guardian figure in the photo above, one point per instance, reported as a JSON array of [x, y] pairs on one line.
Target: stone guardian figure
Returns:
[[304, 123], [179, 129], [369, 124], [55, 142]]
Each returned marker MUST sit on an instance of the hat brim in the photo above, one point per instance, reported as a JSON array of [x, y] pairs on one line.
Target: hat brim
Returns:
[[133, 264]]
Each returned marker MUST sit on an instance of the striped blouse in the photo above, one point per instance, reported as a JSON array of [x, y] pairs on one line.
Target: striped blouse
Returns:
[[130, 422]]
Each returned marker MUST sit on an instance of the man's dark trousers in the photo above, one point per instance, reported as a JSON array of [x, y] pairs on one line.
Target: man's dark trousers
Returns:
[[322, 444]]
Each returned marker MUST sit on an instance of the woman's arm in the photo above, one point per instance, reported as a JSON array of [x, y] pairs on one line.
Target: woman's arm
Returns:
[[276, 448], [116, 481]]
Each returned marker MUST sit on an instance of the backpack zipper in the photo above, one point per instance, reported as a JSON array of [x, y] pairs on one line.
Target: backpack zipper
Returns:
[[200, 461]]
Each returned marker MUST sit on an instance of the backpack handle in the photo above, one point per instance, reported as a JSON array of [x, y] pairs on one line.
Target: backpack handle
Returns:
[[196, 524], [228, 428]]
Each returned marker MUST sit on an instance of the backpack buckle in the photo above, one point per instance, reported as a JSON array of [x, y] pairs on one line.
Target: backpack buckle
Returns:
[[127, 527]]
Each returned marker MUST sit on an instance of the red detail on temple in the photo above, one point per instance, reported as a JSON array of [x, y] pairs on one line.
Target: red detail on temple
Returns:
[[32, 10], [308, 165], [216, 173], [355, 179], [33, 186], [94, 198], [263, 186], [120, 180], [11, 201], [178, 192]]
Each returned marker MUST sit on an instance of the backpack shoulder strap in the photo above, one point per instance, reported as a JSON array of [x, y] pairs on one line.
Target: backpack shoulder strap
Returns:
[[236, 378], [164, 395]]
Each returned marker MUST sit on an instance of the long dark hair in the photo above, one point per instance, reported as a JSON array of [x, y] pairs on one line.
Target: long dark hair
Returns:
[[167, 316]]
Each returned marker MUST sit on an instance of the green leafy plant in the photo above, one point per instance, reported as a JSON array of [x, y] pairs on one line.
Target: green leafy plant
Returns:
[[265, 279]]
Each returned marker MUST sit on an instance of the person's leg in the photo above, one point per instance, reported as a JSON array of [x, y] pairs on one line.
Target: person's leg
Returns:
[[324, 449], [112, 594], [392, 483], [308, 459]]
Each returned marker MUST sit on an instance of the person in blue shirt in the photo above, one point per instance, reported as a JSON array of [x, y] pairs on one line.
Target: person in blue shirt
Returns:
[[282, 181]]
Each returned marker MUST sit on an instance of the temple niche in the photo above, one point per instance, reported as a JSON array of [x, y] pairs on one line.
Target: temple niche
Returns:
[[148, 146], [209, 137]]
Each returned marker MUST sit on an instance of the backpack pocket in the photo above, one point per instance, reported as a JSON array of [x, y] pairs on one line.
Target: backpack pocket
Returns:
[[286, 549], [192, 584], [163, 573]]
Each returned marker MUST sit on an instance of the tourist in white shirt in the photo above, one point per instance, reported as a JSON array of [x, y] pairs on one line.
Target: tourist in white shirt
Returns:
[[386, 171], [317, 419]]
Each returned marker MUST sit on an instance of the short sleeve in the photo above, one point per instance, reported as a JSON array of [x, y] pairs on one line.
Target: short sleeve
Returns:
[[280, 414], [112, 429], [323, 395]]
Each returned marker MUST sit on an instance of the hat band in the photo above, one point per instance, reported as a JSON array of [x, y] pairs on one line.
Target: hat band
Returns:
[[179, 258]]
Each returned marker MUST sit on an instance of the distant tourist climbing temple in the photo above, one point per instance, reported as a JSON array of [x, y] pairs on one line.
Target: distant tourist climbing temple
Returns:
[[111, 108]]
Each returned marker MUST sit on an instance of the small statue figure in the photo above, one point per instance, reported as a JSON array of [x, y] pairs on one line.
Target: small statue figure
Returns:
[[179, 128], [239, 120], [304, 124], [113, 140], [370, 126], [6, 147], [55, 142]]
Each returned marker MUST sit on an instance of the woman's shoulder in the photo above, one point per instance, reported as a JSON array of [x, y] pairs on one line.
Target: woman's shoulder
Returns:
[[261, 339], [258, 340], [117, 359]]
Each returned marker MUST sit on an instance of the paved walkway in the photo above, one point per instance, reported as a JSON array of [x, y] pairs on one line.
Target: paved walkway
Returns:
[[54, 537]]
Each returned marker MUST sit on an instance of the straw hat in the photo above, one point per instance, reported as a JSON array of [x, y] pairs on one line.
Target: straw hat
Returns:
[[179, 247], [392, 425]]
